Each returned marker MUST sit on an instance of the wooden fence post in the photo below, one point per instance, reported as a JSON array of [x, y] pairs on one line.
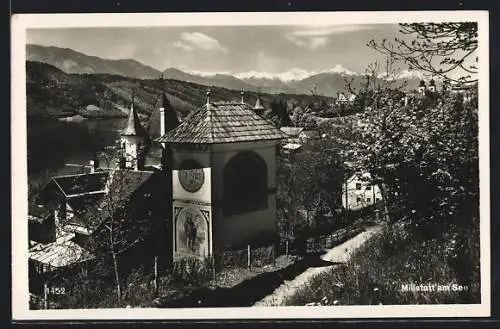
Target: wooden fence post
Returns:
[[248, 256], [156, 275], [214, 273], [45, 296], [274, 254]]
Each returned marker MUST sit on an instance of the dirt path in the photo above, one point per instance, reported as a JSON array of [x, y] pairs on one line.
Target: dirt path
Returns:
[[338, 254]]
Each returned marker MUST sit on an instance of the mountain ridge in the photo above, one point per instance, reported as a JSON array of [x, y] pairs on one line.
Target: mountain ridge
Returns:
[[51, 94], [327, 82]]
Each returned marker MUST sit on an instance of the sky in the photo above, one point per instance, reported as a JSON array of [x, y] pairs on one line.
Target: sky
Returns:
[[227, 49]]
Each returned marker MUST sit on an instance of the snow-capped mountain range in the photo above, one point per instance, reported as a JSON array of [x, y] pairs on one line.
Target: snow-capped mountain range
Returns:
[[294, 74], [327, 82]]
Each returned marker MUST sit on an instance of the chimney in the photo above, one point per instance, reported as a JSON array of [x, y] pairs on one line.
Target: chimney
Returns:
[[94, 165], [242, 97], [56, 218], [162, 121]]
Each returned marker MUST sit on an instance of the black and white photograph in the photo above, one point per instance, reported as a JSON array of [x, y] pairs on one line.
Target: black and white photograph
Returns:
[[250, 165]]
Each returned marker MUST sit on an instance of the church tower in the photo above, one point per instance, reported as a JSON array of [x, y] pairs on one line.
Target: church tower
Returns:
[[223, 179], [432, 86], [134, 141], [422, 87]]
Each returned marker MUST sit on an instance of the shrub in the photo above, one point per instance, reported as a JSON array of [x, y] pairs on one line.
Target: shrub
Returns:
[[192, 270]]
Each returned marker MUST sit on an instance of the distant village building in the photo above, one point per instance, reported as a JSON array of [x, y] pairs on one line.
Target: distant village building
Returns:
[[308, 135], [464, 90], [292, 143], [292, 133], [360, 192], [424, 90], [432, 86], [343, 98], [422, 87]]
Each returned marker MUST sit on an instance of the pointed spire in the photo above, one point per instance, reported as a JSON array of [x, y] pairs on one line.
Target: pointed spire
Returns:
[[134, 127], [208, 96], [168, 116], [161, 82], [258, 104], [242, 96]]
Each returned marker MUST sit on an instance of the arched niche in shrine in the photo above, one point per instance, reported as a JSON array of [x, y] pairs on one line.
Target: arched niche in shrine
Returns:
[[245, 183]]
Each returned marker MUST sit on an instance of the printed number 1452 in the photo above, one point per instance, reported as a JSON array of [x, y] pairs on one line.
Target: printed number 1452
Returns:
[[56, 290]]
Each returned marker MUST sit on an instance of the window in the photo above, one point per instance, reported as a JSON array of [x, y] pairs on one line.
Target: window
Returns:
[[377, 199], [368, 200], [358, 186], [245, 184], [358, 199], [368, 187]]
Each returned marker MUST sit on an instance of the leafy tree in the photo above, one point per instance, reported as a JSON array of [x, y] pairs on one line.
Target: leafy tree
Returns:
[[309, 180], [425, 157], [279, 113], [441, 49]]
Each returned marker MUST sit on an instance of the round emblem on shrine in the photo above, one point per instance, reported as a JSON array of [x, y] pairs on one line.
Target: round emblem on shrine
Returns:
[[191, 179]]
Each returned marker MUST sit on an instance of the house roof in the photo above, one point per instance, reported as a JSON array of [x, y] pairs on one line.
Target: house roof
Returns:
[[120, 186], [461, 87], [72, 185], [310, 134], [134, 127], [223, 123], [63, 252], [36, 220], [292, 131], [81, 204], [292, 146], [360, 176], [38, 211]]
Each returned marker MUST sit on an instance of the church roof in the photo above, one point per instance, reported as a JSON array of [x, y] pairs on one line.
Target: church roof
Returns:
[[171, 120], [134, 127], [223, 123]]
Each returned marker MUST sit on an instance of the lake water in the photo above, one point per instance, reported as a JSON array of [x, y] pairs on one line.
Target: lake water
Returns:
[[53, 144]]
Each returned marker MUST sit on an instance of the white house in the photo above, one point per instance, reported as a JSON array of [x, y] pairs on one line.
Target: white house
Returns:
[[341, 97], [307, 135], [466, 91], [360, 192]]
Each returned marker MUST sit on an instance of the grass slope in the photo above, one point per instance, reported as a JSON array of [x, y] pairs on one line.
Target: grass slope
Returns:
[[377, 272]]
